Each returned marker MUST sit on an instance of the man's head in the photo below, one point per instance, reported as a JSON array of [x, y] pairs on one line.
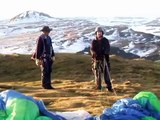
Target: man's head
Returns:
[[46, 30], [99, 32]]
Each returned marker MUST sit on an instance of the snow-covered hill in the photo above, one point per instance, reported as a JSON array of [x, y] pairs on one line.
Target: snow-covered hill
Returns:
[[75, 34], [31, 16], [127, 21]]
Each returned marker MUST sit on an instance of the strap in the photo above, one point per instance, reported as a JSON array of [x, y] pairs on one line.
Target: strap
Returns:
[[44, 46]]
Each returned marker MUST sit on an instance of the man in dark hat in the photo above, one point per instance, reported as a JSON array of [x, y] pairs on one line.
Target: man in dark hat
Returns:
[[44, 57], [100, 49]]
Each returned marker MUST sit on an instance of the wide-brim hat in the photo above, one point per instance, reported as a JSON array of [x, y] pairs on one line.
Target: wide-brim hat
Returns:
[[46, 29]]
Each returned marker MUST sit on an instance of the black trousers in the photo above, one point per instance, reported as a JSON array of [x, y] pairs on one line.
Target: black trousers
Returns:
[[46, 70], [107, 77]]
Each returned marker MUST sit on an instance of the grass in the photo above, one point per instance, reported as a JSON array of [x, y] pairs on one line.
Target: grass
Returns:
[[73, 80]]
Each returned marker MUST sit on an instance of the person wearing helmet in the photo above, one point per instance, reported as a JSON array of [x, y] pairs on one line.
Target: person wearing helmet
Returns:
[[100, 49]]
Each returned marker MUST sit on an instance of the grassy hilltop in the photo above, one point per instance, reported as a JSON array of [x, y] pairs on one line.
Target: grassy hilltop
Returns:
[[73, 80]]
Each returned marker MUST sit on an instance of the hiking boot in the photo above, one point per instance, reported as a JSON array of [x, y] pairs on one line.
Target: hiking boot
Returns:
[[98, 88], [49, 87], [110, 90]]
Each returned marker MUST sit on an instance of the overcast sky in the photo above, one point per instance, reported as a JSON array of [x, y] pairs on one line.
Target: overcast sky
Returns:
[[86, 8]]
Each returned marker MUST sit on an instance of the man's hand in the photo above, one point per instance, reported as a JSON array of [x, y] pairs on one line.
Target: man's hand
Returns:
[[53, 58], [38, 62], [93, 54]]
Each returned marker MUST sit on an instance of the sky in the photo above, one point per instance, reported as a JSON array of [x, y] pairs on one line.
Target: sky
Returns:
[[82, 8]]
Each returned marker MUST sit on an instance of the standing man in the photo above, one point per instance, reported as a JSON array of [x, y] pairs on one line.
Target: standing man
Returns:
[[44, 57], [100, 49]]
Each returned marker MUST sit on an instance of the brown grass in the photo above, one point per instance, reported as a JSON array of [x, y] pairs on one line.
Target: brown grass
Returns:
[[73, 80]]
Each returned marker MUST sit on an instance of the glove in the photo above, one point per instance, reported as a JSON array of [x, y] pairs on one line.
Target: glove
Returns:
[[38, 62], [53, 58]]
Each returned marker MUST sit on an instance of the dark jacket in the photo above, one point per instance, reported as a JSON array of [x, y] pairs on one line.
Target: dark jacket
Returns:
[[100, 48], [44, 47]]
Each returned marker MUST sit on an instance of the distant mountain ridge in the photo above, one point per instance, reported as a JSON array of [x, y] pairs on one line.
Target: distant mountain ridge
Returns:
[[74, 35], [30, 16]]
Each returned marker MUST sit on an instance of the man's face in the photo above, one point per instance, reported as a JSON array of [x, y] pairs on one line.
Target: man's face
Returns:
[[46, 32], [99, 34]]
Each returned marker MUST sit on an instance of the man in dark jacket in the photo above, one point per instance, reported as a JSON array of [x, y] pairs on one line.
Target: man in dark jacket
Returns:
[[44, 57], [100, 49]]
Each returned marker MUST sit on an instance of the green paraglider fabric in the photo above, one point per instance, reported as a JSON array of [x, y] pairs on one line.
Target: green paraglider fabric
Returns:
[[148, 118], [22, 109], [148, 100]]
